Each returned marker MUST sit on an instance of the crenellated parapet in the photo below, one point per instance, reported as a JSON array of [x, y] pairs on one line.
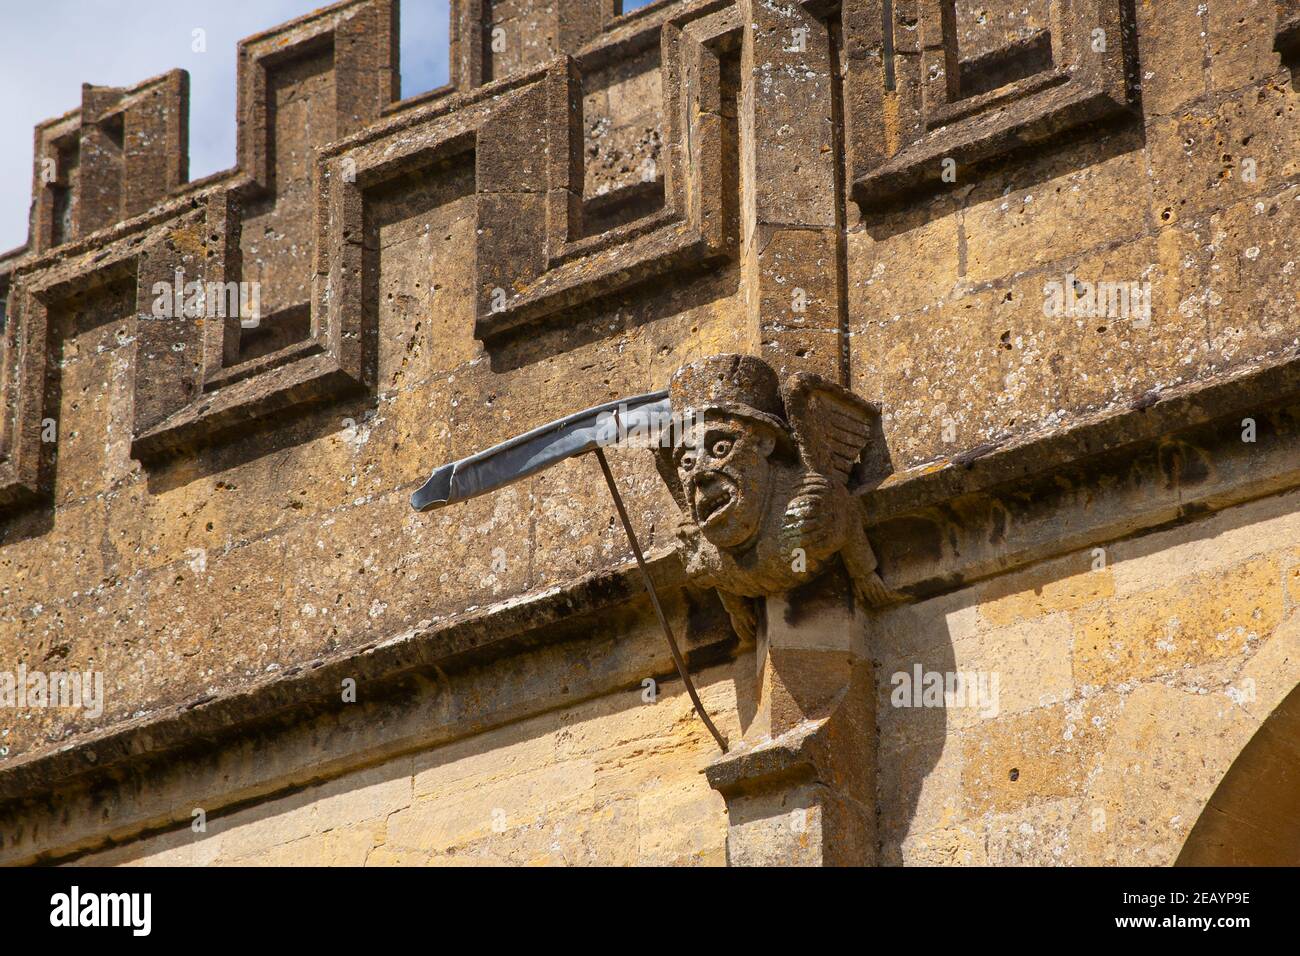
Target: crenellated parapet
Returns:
[[957, 89], [112, 205], [604, 154], [562, 221], [309, 82], [124, 150]]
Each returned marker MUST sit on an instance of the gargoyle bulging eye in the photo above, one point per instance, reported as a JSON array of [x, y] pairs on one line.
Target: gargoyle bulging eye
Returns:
[[687, 462], [721, 449]]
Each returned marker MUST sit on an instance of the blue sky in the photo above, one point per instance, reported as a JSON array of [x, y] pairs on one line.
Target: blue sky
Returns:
[[49, 48]]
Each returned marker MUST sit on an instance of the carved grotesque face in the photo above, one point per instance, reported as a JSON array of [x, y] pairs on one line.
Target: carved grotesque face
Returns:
[[724, 470]]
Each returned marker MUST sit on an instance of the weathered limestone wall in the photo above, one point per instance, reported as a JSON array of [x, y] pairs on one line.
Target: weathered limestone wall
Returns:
[[216, 518], [611, 782], [1125, 693], [240, 559], [1194, 193], [1128, 682]]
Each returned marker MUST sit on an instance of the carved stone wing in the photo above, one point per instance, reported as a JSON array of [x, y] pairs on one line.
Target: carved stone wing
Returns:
[[831, 424]]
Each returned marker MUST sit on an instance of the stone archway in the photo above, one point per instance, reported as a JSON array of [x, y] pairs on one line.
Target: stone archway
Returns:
[[1253, 818]]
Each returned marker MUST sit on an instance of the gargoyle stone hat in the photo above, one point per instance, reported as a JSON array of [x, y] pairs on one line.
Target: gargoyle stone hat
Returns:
[[739, 385]]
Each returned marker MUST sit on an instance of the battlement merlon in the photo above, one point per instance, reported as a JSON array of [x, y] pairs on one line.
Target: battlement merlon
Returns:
[[122, 151]]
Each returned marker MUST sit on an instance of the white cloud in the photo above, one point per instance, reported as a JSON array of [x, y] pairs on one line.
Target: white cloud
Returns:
[[49, 48]]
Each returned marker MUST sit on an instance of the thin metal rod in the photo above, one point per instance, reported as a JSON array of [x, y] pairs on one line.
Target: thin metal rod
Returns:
[[654, 599]]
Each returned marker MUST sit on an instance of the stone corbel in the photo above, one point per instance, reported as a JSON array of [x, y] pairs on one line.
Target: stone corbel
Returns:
[[800, 786]]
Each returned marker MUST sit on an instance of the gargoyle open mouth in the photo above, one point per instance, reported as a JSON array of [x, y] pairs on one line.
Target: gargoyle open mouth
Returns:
[[712, 499]]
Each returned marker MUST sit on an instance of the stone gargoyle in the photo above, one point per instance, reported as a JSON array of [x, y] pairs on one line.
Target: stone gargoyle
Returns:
[[761, 476]]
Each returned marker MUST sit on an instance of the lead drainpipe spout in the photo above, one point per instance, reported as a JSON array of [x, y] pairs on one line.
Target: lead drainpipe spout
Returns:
[[547, 445]]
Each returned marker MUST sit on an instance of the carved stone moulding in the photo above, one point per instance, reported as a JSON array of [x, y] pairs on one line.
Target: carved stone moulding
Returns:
[[26, 462], [929, 85], [350, 45], [357, 41], [17, 478], [545, 243]]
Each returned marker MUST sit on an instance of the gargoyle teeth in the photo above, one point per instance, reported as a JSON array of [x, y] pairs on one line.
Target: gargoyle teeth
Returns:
[[711, 501]]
